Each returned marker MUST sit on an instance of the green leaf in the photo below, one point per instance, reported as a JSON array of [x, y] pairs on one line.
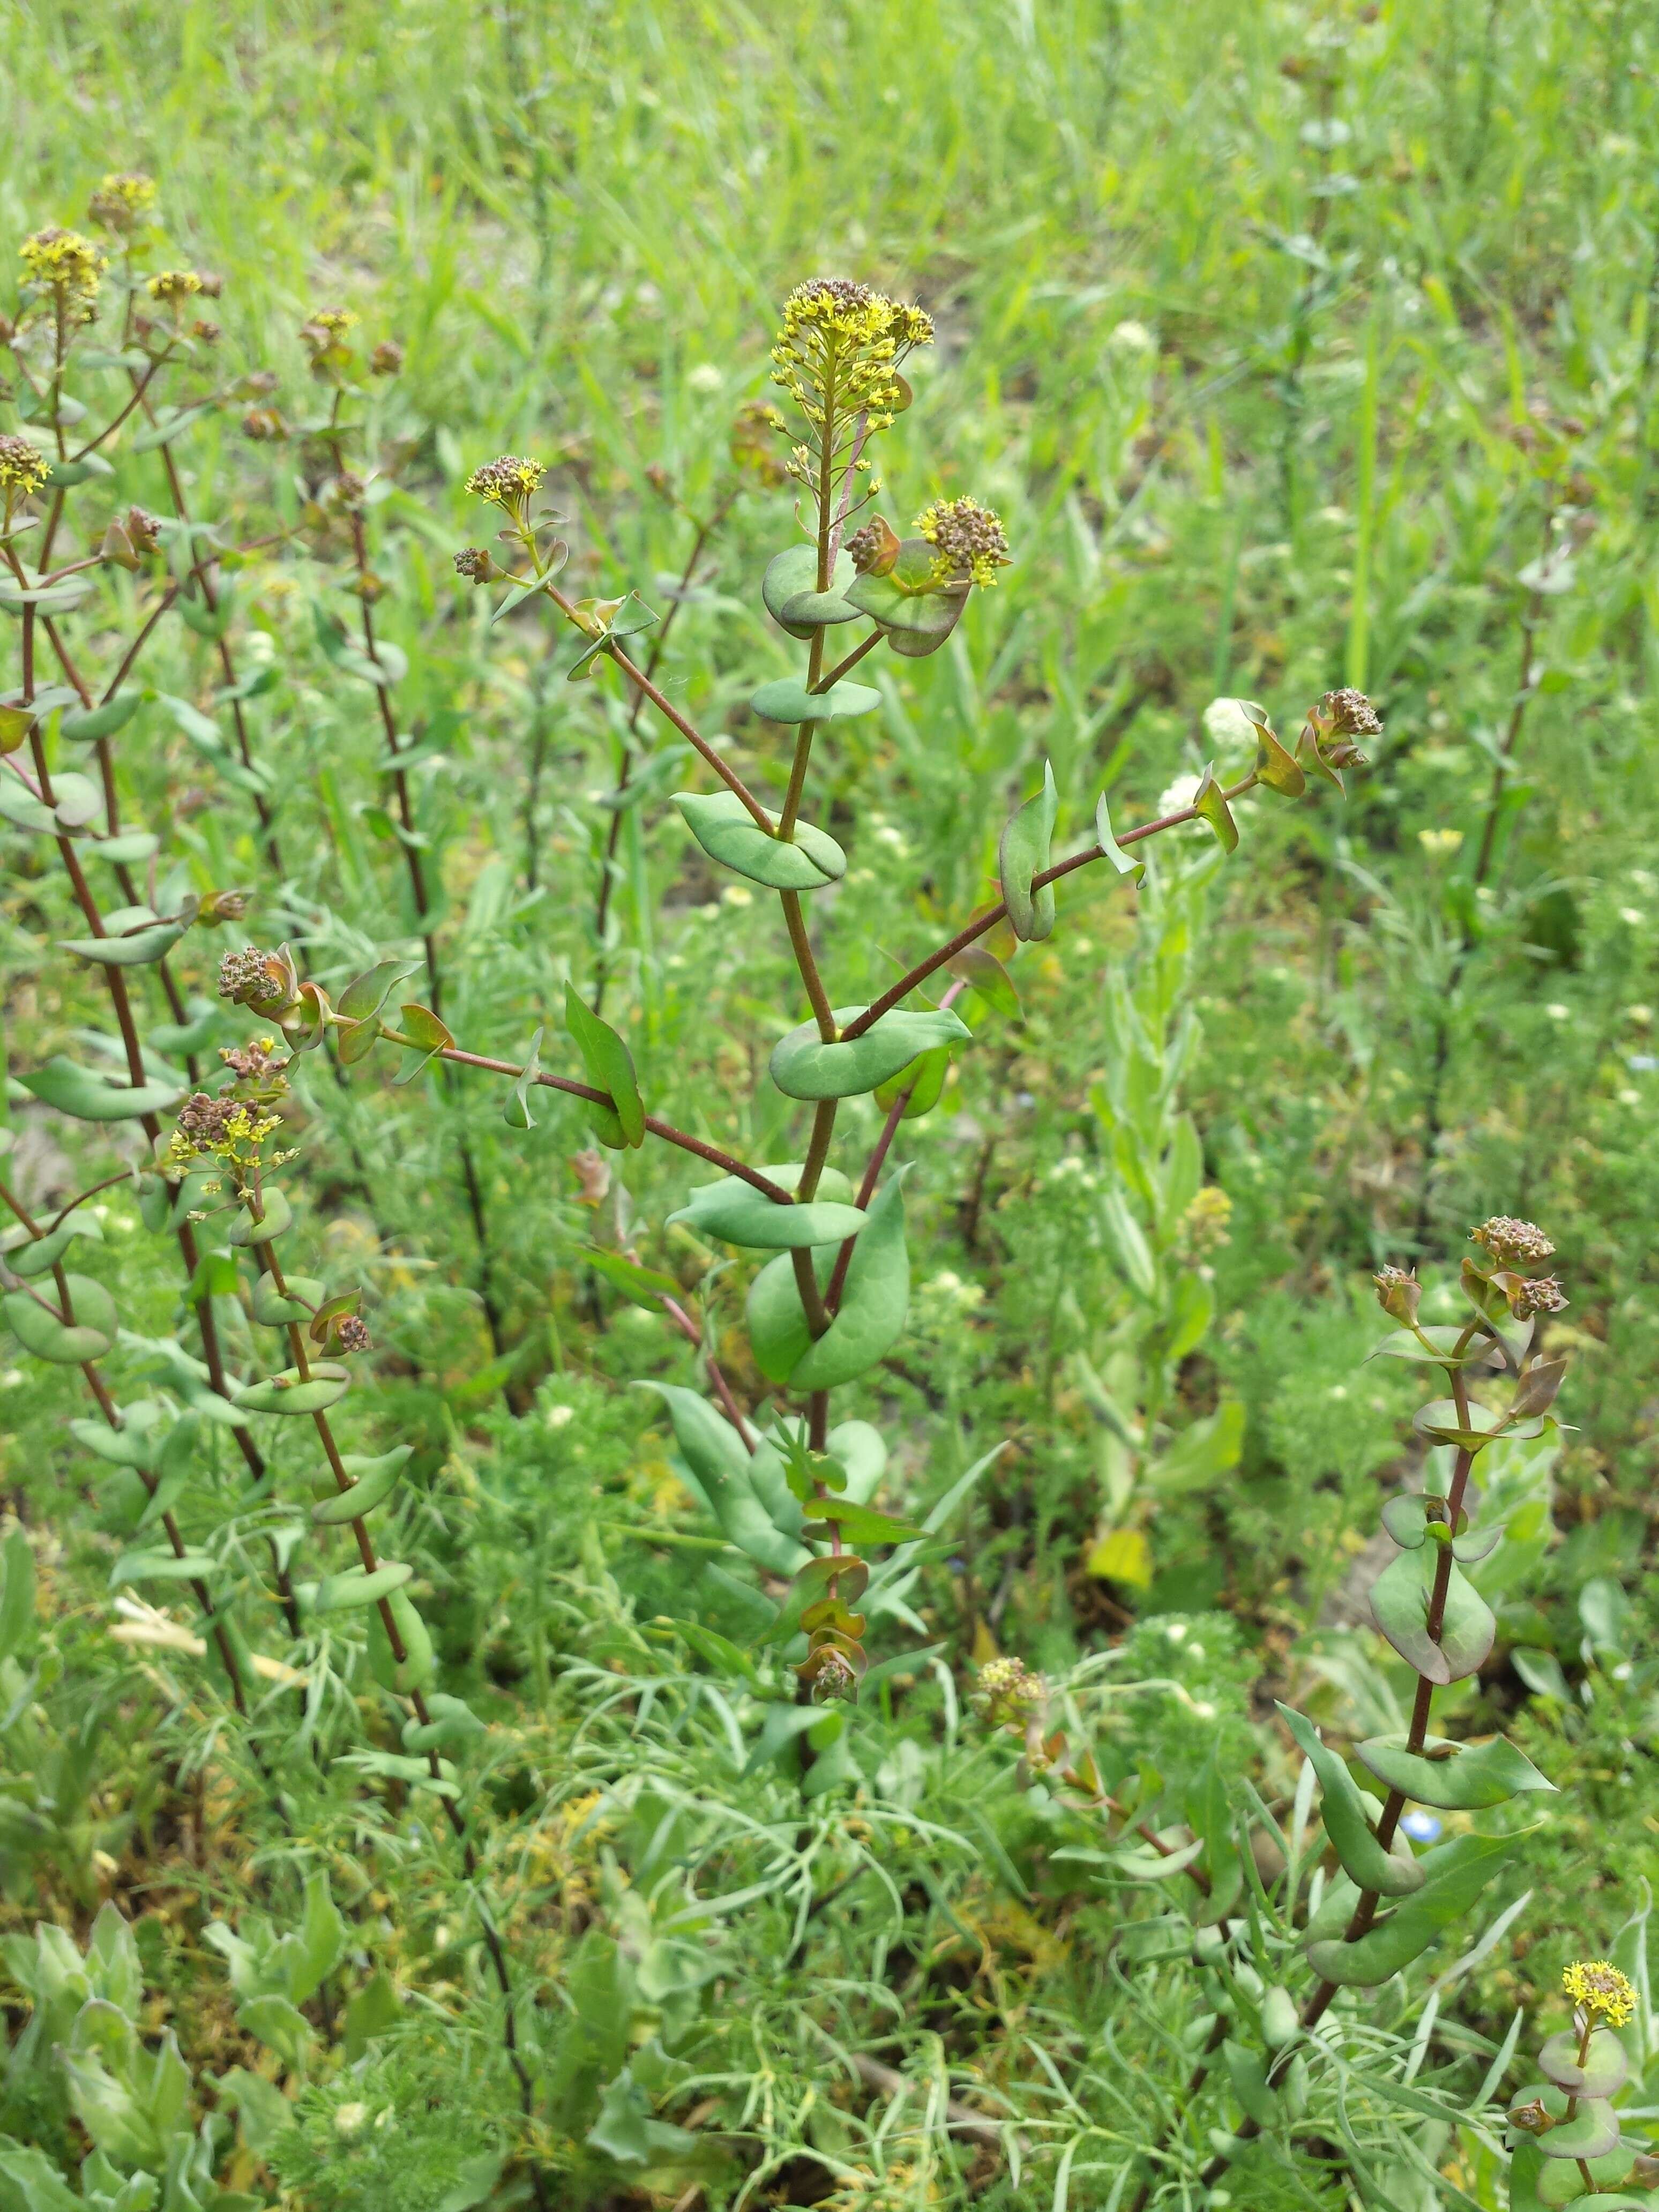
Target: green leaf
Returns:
[[365, 996], [917, 620], [984, 973], [736, 1211], [289, 1393], [137, 1444], [632, 616], [277, 1217], [874, 1301], [1400, 1599], [131, 848], [76, 801], [430, 1035], [83, 725], [1213, 810], [32, 1256], [137, 949], [1124, 863], [17, 1593], [350, 1591], [66, 1344], [161, 1567], [169, 421], [1023, 853], [23, 810], [516, 1113], [804, 1067], [1248, 2075], [373, 1482], [272, 1310], [1349, 1815], [789, 588], [453, 1721], [1451, 1777], [1203, 1452], [609, 1067], [1592, 2131], [851, 1577], [419, 1663], [721, 1467], [29, 2181], [1457, 1873], [1276, 767], [1440, 1351], [1440, 1422], [645, 1286], [727, 1658], [859, 1524], [1604, 2072], [16, 723], [90, 1096], [920, 1084], [784, 700], [728, 833]]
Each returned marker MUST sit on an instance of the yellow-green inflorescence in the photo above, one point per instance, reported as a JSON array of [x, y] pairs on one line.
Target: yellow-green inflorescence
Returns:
[[839, 352], [970, 539], [23, 469], [509, 484], [69, 266], [122, 201], [1600, 1990]]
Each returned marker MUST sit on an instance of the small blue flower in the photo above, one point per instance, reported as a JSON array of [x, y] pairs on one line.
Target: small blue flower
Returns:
[[1421, 1827]]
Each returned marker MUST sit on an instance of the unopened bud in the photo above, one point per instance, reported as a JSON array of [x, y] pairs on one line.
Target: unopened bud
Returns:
[[1399, 1294], [386, 359], [874, 549], [475, 563], [223, 906]]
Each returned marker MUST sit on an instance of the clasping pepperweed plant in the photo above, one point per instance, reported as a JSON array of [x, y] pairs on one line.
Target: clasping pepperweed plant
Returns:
[[326, 1648]]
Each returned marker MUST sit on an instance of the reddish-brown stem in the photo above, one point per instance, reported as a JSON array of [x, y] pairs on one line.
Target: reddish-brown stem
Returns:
[[665, 1130], [666, 708], [345, 1483], [988, 920], [108, 1407], [625, 765]]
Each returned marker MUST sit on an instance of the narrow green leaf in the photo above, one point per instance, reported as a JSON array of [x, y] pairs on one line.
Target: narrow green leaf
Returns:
[[1023, 853]]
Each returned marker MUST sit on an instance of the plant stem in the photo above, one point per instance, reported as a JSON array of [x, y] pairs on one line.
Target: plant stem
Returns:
[[266, 1255], [705, 529], [108, 1407], [417, 886], [988, 920], [665, 1130], [115, 981]]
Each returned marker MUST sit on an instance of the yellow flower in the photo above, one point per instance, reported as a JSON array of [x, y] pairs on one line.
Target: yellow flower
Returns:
[[506, 483], [122, 200], [839, 351], [64, 263], [970, 538], [173, 284], [1599, 1988], [23, 468]]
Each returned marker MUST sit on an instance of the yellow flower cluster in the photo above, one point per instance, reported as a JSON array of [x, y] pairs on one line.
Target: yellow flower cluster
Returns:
[[173, 284], [71, 266], [507, 482], [23, 468], [122, 201], [1599, 1988], [970, 538], [225, 1128], [839, 352]]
